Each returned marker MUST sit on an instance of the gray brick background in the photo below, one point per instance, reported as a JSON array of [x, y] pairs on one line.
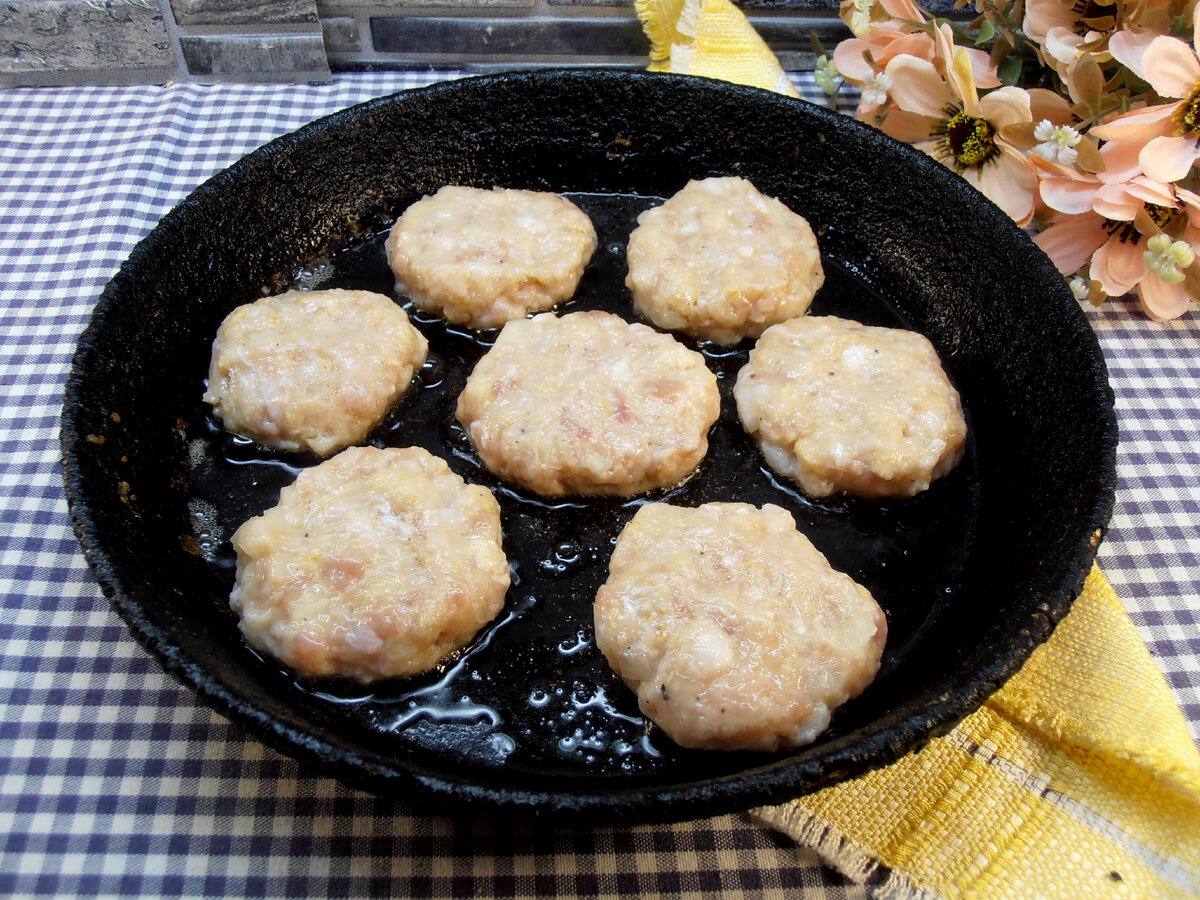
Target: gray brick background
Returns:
[[74, 41], [148, 41], [241, 12]]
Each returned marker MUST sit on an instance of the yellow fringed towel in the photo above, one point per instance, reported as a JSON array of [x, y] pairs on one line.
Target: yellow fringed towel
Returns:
[[711, 38], [1077, 780]]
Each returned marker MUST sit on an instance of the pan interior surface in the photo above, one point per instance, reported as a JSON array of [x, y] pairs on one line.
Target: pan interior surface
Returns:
[[972, 574]]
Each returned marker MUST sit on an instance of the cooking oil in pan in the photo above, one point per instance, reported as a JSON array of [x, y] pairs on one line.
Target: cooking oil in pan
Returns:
[[533, 693]]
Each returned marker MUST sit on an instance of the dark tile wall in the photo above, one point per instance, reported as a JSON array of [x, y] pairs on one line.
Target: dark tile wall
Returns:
[[508, 38], [249, 40], [126, 41], [269, 57], [497, 34]]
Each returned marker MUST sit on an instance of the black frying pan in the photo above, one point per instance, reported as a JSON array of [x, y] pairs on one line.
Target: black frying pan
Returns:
[[973, 574]]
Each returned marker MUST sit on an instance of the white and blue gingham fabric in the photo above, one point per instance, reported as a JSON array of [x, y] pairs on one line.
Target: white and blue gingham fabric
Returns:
[[115, 782]]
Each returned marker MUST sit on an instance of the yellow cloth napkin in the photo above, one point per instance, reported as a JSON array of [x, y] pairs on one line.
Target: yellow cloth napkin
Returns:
[[710, 38], [1078, 779]]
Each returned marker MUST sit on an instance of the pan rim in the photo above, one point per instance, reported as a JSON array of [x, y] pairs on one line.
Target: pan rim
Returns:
[[784, 778]]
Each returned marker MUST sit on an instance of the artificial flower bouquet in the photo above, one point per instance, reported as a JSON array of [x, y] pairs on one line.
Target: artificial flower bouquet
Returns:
[[1081, 120]]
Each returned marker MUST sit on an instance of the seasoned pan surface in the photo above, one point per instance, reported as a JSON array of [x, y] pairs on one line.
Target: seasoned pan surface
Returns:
[[973, 574]]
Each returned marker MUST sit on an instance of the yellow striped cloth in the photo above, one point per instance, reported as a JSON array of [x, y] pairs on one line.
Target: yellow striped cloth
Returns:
[[1078, 779]]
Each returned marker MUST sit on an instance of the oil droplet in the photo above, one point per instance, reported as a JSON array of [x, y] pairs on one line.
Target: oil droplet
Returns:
[[567, 553], [197, 451], [419, 315], [501, 744], [206, 527], [718, 351], [571, 646], [240, 449], [433, 373], [648, 747], [483, 339], [313, 277], [444, 701], [563, 559], [457, 435]]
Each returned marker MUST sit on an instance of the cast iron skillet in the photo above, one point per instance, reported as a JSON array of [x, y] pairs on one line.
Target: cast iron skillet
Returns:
[[973, 574]]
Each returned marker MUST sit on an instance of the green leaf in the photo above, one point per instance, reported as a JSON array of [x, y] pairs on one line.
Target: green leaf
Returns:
[[987, 31], [1009, 71]]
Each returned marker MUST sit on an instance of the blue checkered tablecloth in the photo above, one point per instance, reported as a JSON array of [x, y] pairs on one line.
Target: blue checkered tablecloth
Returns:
[[115, 782]]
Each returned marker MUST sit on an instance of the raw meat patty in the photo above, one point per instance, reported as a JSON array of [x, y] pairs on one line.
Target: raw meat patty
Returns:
[[479, 258], [312, 370], [845, 407], [721, 261], [732, 628], [589, 404], [374, 564]]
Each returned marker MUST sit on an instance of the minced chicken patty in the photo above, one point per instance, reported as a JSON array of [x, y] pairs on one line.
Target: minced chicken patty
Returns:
[[732, 628], [480, 258], [312, 370], [843, 407], [721, 262], [589, 404], [375, 564]]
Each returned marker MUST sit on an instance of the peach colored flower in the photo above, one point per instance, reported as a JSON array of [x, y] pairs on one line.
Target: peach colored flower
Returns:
[[881, 44], [1168, 298], [1129, 48], [882, 41], [1059, 31], [951, 122], [1167, 136], [1096, 223], [1066, 29], [860, 15]]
